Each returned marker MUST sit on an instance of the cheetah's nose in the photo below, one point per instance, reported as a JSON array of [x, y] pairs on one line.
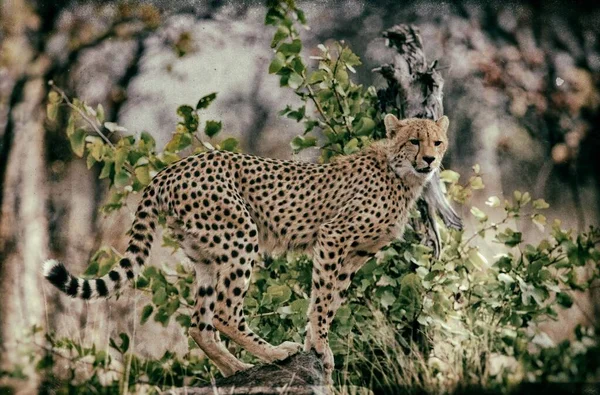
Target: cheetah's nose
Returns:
[[428, 159]]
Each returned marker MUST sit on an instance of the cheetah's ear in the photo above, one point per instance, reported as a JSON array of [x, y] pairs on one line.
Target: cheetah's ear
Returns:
[[443, 123], [392, 125]]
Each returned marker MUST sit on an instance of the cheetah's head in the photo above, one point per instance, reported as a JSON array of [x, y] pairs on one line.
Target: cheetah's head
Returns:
[[416, 146]]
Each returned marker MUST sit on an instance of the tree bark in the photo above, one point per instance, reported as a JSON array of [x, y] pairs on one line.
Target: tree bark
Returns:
[[300, 374], [24, 229], [415, 90]]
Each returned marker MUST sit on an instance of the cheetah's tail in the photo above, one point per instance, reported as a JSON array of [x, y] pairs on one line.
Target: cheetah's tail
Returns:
[[142, 231]]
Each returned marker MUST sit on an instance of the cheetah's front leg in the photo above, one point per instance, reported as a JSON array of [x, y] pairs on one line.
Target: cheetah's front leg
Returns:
[[333, 271]]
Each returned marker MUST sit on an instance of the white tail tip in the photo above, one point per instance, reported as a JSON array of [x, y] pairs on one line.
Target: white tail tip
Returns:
[[49, 265]]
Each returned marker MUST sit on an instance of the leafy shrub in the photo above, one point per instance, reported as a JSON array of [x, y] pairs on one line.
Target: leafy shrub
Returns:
[[410, 320]]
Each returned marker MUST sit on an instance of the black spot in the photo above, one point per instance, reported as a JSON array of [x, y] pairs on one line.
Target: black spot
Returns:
[[71, 290], [237, 291], [87, 290], [133, 248], [114, 275], [101, 287], [125, 263]]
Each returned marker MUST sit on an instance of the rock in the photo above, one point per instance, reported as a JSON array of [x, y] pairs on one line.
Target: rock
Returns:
[[301, 373]]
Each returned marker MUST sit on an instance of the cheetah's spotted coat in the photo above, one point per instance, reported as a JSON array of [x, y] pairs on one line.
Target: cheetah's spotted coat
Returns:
[[225, 208]]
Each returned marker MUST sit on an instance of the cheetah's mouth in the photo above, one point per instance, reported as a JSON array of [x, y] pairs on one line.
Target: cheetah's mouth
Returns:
[[424, 170]]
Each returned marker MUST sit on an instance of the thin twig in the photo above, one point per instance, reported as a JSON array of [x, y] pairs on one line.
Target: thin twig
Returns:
[[337, 96], [83, 115], [93, 124]]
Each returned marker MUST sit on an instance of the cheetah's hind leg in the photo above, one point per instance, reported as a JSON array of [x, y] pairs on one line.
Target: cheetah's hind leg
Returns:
[[202, 330], [234, 278]]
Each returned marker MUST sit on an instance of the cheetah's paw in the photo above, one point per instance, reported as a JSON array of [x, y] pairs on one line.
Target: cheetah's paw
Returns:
[[289, 348]]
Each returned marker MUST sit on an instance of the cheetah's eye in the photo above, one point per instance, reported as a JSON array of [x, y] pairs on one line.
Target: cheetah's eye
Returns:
[[414, 141], [437, 143]]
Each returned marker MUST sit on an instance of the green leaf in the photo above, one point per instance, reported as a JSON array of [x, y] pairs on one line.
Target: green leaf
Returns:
[[121, 179], [317, 77], [230, 144], [505, 278], [212, 128], [142, 173], [190, 118], [493, 201], [449, 176], [476, 183], [124, 343], [159, 297], [277, 63], [172, 306], [477, 259], [539, 220], [92, 269], [146, 313], [77, 140], [351, 146], [162, 317], [46, 362], [509, 237], [282, 33], [90, 161], [292, 48], [295, 80], [121, 154], [148, 140], [364, 127], [206, 100], [480, 215], [279, 293], [387, 299], [540, 204], [350, 58], [100, 113], [564, 299], [184, 320], [301, 142], [106, 170], [52, 111]]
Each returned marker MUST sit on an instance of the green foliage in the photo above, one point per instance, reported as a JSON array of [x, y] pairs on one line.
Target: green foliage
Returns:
[[410, 319], [347, 114]]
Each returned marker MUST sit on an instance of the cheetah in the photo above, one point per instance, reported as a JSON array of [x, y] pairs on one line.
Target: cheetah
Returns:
[[227, 208]]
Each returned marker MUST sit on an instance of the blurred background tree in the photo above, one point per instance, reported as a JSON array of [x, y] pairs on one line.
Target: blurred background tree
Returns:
[[521, 90]]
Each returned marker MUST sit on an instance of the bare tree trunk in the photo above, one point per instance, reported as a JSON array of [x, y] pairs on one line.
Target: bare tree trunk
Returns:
[[24, 229]]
